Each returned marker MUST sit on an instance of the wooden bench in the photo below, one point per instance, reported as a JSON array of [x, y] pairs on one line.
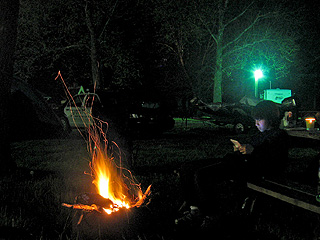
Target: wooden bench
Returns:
[[297, 194]]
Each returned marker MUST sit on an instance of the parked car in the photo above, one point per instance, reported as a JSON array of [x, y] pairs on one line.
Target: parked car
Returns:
[[79, 109], [149, 116], [138, 116], [238, 114]]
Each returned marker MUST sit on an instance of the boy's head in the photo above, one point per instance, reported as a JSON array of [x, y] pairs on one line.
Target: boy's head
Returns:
[[267, 111]]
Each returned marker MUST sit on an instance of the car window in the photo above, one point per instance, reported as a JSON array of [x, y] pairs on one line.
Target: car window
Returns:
[[79, 100], [76, 101], [92, 100], [87, 101]]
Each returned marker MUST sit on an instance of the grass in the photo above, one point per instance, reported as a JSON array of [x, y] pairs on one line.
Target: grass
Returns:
[[30, 203]]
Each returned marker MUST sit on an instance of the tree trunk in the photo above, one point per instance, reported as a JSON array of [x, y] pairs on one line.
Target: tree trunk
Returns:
[[217, 89], [8, 35], [93, 50]]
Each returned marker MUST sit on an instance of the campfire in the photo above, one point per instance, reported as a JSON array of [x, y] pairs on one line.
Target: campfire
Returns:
[[116, 188]]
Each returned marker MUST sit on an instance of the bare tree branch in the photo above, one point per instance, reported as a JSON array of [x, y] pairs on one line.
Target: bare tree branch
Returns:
[[108, 20], [240, 15], [208, 29], [244, 46], [243, 32]]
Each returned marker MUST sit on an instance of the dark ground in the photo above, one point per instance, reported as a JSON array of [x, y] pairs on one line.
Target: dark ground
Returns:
[[30, 202]]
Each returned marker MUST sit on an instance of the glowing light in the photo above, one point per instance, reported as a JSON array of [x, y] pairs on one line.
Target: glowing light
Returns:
[[310, 120], [310, 123], [258, 74]]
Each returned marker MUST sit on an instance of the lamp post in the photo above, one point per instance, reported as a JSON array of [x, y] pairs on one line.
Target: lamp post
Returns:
[[257, 75]]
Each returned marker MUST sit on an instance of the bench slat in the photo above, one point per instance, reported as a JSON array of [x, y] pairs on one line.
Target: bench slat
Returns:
[[293, 201]]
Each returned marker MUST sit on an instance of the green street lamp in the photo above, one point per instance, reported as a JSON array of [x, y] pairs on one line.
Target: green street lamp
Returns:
[[257, 75]]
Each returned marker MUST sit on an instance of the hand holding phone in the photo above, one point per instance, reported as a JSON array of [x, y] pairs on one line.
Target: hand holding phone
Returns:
[[236, 144]]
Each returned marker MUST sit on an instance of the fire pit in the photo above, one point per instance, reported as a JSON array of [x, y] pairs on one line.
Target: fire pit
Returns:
[[117, 209], [114, 210], [91, 221]]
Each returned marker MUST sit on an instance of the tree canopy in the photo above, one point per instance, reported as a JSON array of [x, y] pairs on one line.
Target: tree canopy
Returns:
[[180, 48], [219, 43]]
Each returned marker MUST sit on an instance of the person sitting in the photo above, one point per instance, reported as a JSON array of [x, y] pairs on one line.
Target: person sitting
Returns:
[[265, 155]]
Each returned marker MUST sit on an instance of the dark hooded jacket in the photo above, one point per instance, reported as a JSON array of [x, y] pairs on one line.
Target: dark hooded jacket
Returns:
[[270, 154]]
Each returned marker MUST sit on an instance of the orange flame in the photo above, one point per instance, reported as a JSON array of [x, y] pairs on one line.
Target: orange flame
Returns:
[[108, 181], [112, 181]]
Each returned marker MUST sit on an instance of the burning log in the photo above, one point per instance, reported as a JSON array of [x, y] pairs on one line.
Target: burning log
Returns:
[[92, 208], [90, 202], [91, 221], [83, 207]]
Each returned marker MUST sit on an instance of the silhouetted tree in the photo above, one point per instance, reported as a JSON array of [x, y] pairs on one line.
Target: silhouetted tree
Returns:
[[8, 32], [84, 39]]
